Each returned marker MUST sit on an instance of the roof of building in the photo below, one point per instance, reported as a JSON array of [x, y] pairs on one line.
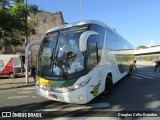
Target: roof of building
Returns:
[[153, 49]]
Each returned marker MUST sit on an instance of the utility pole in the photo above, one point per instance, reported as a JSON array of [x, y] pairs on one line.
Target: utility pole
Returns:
[[81, 10], [26, 21], [26, 42]]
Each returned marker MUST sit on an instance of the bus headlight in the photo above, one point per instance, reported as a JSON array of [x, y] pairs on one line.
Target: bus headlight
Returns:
[[76, 86], [79, 85], [71, 88]]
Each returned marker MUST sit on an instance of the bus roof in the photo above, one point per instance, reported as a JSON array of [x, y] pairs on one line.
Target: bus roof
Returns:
[[83, 23], [77, 23]]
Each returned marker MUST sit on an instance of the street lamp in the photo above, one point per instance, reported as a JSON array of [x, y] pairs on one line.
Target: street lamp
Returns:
[[26, 21], [81, 10], [26, 43]]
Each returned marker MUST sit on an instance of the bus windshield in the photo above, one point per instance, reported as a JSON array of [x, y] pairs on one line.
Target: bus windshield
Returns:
[[59, 54]]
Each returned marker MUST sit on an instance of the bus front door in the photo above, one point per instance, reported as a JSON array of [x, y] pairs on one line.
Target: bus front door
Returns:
[[94, 85]]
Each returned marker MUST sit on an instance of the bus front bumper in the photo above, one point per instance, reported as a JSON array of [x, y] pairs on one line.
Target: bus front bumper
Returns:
[[78, 96]]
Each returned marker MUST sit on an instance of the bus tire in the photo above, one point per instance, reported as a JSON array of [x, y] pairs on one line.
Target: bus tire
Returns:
[[108, 85], [11, 75]]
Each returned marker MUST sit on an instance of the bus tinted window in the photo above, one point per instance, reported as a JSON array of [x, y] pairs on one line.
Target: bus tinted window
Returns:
[[98, 38], [92, 56]]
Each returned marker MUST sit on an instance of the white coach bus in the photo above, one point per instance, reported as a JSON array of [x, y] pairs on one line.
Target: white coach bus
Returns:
[[79, 61]]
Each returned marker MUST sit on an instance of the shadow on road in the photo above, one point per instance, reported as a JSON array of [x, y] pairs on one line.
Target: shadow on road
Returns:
[[131, 94], [7, 77]]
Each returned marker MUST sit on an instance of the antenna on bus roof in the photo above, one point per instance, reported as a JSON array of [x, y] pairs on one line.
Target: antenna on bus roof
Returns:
[[81, 10]]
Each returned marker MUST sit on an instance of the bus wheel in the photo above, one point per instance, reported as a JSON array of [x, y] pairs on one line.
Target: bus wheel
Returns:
[[11, 75], [108, 85]]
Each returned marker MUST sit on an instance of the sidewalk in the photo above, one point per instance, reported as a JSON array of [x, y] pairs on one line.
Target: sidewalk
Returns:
[[20, 81]]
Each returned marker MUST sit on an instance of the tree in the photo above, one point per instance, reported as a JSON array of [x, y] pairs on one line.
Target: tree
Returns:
[[13, 25], [141, 47]]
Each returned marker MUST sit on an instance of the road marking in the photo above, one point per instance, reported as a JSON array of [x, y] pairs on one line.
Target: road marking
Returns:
[[34, 97], [98, 105], [65, 109], [153, 105], [151, 74], [29, 88], [142, 75], [79, 107], [135, 77], [17, 97], [26, 91], [155, 73]]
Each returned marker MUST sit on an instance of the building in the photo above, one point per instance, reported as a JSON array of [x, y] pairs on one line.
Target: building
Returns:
[[147, 54], [46, 21]]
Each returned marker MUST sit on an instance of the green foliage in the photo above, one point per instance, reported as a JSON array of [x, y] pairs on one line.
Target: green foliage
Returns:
[[146, 57], [13, 25], [141, 47], [149, 58]]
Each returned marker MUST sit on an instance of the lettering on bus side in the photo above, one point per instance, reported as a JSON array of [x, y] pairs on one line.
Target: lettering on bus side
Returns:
[[96, 89]]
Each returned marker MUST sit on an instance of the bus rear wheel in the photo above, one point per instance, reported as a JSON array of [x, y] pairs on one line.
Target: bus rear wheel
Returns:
[[108, 85], [11, 75]]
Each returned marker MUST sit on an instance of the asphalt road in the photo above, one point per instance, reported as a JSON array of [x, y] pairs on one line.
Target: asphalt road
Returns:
[[139, 92]]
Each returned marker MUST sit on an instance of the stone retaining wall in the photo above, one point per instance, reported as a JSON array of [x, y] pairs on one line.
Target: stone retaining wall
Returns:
[[148, 63]]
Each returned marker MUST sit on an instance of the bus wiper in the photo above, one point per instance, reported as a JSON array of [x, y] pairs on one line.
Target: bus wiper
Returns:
[[54, 59], [51, 59], [56, 56], [59, 63]]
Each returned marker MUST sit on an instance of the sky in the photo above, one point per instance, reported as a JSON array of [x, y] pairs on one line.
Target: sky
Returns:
[[138, 21]]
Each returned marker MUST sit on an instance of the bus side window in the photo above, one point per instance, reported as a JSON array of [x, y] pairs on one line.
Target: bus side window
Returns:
[[92, 54], [1, 63], [98, 38]]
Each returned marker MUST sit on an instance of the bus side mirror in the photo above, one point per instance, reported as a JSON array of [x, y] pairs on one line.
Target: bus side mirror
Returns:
[[83, 39]]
